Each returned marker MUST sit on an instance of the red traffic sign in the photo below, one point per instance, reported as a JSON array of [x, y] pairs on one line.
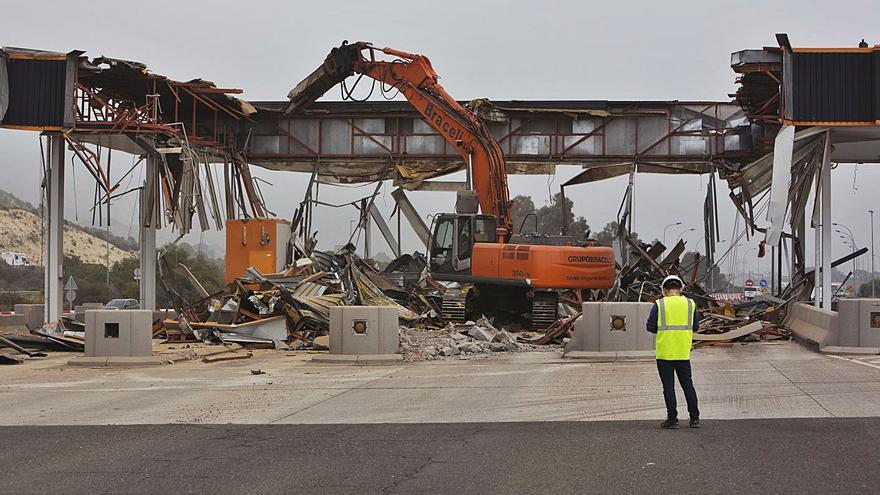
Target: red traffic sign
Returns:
[[750, 283]]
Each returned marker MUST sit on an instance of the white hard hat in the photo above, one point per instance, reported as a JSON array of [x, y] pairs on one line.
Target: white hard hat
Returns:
[[671, 278]]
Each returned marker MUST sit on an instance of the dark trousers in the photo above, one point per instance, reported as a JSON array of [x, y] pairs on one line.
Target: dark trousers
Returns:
[[668, 370]]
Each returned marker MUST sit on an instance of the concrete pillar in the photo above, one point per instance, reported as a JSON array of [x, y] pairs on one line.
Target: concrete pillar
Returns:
[[826, 224], [148, 226], [817, 246], [54, 249]]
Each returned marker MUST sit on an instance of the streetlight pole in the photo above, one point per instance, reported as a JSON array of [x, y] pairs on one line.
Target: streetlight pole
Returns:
[[850, 242], [872, 253], [852, 238], [664, 230], [683, 232]]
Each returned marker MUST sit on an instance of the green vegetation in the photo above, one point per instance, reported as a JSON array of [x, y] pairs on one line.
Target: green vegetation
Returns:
[[549, 217], [208, 271], [865, 288], [92, 280]]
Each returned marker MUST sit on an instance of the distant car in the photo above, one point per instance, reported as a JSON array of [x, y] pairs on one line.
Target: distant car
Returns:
[[123, 304], [751, 292]]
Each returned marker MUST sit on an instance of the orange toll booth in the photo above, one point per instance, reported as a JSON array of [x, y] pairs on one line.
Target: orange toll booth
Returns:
[[257, 242]]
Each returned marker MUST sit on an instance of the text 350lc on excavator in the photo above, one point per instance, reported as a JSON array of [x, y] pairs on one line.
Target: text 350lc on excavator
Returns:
[[474, 245]]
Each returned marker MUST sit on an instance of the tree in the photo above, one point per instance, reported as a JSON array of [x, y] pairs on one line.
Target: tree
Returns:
[[609, 233], [208, 271], [122, 278], [548, 218], [520, 207], [865, 288]]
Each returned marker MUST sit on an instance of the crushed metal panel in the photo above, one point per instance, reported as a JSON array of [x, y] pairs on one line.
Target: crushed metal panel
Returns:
[[371, 295], [779, 187], [309, 289], [601, 172]]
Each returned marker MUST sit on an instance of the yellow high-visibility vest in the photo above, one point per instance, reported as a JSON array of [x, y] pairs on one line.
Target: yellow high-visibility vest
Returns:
[[675, 324]]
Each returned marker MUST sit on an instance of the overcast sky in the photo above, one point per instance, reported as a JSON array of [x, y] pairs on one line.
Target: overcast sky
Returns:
[[499, 49]]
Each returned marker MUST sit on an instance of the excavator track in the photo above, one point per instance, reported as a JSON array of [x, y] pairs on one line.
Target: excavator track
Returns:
[[454, 307], [544, 309]]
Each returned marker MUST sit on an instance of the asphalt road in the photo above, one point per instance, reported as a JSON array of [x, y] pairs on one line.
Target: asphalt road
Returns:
[[732, 456]]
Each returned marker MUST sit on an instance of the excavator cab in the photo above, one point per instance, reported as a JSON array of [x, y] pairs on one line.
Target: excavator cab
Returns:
[[453, 240]]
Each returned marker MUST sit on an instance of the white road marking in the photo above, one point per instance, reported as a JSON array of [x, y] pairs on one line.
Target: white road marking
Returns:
[[857, 361]]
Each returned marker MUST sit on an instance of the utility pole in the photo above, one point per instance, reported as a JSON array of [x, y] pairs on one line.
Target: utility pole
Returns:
[[873, 294]]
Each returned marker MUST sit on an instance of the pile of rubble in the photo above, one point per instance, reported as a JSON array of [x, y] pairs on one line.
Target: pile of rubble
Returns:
[[720, 322], [293, 307], [464, 340], [743, 321], [291, 310]]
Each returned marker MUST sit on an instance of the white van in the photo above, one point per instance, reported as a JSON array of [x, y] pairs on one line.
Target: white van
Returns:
[[751, 292], [15, 259]]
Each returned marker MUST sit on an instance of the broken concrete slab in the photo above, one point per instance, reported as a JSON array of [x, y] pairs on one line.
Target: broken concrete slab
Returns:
[[504, 337], [450, 351], [481, 333]]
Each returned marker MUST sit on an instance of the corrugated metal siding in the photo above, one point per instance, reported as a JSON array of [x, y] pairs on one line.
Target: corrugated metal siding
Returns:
[[833, 87], [876, 57], [36, 92]]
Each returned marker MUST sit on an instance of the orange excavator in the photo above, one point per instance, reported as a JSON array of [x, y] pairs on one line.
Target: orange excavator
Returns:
[[473, 245]]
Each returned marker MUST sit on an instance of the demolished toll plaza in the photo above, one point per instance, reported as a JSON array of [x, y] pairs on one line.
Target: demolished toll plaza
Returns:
[[773, 146]]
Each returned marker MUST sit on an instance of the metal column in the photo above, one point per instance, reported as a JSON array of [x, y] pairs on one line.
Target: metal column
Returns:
[[54, 249], [393, 243], [148, 226], [412, 216], [826, 224], [368, 229]]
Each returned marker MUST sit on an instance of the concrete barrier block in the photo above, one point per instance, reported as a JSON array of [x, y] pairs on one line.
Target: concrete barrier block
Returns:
[[612, 327], [118, 333], [79, 311], [813, 325], [364, 330]]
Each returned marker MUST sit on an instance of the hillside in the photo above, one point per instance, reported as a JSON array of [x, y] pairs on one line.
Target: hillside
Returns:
[[21, 231]]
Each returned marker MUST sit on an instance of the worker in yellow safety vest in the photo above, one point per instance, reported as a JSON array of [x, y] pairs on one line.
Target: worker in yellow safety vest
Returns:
[[674, 320]]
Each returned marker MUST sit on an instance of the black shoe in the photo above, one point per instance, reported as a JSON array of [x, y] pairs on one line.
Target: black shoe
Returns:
[[694, 423], [669, 424]]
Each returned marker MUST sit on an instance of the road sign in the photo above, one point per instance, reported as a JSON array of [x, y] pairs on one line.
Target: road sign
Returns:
[[70, 291], [137, 273], [750, 283], [763, 282]]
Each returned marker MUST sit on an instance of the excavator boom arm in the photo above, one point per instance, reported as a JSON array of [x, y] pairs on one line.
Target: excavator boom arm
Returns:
[[416, 79]]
